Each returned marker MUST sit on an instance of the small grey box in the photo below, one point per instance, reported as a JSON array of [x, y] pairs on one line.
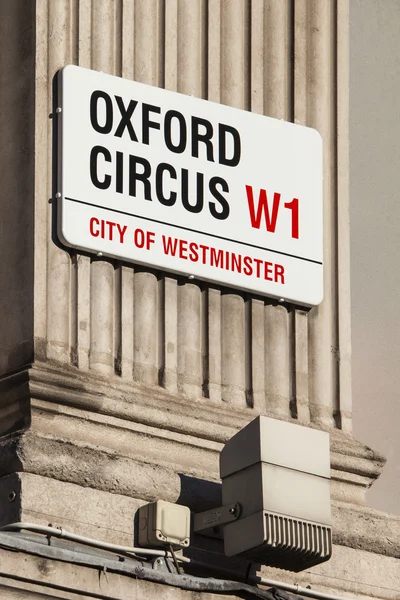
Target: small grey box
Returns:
[[164, 523]]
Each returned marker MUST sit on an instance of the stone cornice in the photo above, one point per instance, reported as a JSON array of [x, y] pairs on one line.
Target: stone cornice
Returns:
[[124, 399], [352, 462], [146, 441]]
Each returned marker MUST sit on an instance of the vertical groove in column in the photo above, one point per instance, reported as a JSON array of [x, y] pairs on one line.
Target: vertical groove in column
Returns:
[[258, 354], [127, 275], [83, 311], [148, 68], [102, 35], [204, 341], [278, 59], [334, 217], [171, 45], [212, 41], [344, 322], [292, 361], [74, 311], [301, 53], [127, 339], [248, 355], [145, 368], [169, 300], [257, 335], [118, 37], [189, 340], [190, 80], [213, 92], [302, 407], [277, 55], [233, 349], [257, 66], [170, 337], [118, 278], [234, 53], [85, 33], [82, 266], [234, 91], [101, 356], [300, 56], [43, 127], [191, 47], [148, 54], [314, 81], [214, 328], [74, 31], [73, 38], [214, 50], [58, 261], [117, 319], [127, 41], [277, 367]]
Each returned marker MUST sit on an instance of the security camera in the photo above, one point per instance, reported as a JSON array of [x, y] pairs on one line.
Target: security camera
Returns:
[[276, 507], [279, 474], [276, 496]]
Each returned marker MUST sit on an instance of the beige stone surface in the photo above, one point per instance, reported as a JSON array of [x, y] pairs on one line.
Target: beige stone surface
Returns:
[[120, 320], [139, 377], [86, 433], [350, 573], [361, 576], [34, 577]]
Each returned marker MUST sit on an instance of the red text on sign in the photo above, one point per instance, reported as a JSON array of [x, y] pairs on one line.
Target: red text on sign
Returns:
[[271, 214], [223, 259], [143, 239], [107, 229]]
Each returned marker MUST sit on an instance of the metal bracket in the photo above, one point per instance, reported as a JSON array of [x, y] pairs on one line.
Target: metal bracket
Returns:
[[164, 565], [211, 522]]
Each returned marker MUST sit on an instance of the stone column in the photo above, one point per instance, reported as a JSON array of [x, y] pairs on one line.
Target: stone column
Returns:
[[120, 383], [287, 60]]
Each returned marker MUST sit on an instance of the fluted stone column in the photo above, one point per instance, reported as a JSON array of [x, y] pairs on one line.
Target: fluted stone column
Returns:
[[140, 329], [284, 59], [120, 382]]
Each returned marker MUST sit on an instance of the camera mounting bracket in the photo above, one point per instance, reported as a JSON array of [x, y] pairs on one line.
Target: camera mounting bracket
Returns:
[[210, 522]]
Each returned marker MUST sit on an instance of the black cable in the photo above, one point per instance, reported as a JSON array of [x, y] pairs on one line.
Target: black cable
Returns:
[[208, 584], [177, 567]]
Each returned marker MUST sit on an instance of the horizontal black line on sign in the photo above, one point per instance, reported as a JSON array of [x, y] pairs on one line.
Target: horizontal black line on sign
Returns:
[[219, 237]]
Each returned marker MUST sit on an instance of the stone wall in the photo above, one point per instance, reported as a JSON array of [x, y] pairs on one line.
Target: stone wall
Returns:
[[120, 384], [278, 58]]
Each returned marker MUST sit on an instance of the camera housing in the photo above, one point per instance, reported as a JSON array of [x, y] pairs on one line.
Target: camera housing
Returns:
[[279, 474]]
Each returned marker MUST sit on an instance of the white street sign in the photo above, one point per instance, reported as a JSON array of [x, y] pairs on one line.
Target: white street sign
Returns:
[[189, 186]]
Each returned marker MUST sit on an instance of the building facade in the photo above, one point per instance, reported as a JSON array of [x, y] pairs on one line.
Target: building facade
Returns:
[[120, 384], [375, 252]]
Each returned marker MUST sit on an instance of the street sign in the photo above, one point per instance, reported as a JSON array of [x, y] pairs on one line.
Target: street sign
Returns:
[[184, 185]]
